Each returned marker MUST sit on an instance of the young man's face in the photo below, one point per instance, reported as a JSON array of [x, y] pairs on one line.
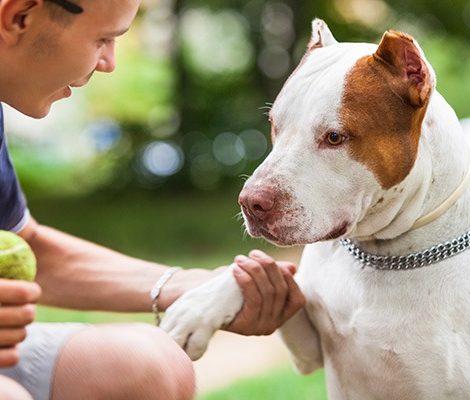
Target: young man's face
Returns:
[[58, 58]]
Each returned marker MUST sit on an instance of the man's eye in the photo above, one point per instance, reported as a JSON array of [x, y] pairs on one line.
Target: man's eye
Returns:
[[106, 41]]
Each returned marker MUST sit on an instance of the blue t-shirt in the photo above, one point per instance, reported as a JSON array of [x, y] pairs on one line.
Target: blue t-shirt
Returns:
[[13, 211]]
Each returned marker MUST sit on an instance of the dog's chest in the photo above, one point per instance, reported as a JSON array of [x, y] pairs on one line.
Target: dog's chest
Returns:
[[387, 336]]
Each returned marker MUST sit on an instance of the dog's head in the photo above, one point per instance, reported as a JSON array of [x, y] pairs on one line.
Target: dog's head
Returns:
[[345, 132]]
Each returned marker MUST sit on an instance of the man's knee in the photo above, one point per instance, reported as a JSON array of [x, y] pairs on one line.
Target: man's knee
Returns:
[[10, 390], [169, 366], [125, 362]]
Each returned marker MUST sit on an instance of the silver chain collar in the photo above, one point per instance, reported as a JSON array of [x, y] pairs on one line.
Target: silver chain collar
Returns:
[[419, 259]]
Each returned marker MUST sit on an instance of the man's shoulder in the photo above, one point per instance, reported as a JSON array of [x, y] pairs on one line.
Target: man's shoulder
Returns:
[[1, 122], [13, 212]]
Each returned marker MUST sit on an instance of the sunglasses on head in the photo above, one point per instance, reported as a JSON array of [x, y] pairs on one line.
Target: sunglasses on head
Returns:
[[68, 6]]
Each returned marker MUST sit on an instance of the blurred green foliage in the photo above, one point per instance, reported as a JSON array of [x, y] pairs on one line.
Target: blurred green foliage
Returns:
[[448, 18], [190, 70]]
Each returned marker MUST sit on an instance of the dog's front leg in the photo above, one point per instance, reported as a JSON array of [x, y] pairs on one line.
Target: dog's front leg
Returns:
[[194, 318], [303, 342]]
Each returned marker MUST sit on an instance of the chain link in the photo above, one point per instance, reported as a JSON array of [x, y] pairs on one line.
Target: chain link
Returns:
[[419, 259]]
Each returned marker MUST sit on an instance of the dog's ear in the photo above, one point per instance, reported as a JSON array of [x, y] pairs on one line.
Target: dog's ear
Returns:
[[321, 35], [413, 79]]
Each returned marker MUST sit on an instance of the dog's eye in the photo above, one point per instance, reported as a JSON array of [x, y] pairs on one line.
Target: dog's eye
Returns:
[[335, 138]]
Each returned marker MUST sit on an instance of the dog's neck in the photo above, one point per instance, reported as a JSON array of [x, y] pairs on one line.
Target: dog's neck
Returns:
[[442, 163]]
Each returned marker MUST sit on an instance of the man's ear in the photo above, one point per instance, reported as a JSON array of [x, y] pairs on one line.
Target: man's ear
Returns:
[[412, 79], [15, 16], [321, 35]]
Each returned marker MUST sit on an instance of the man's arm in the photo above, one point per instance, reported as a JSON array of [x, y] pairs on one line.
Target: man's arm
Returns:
[[75, 273]]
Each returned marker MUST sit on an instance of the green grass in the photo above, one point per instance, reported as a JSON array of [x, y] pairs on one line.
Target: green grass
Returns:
[[52, 314], [278, 385]]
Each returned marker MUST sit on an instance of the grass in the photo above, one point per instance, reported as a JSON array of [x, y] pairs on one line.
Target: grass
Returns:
[[52, 314], [282, 384]]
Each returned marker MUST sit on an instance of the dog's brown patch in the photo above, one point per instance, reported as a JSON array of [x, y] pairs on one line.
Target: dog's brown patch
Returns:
[[384, 130], [384, 103]]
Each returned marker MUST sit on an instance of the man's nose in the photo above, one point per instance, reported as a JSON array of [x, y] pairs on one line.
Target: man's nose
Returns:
[[257, 203], [107, 62]]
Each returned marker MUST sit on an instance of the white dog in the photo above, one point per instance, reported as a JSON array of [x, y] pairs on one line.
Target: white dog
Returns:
[[365, 148]]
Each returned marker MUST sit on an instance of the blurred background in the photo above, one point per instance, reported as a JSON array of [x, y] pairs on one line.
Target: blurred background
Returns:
[[182, 121], [149, 160]]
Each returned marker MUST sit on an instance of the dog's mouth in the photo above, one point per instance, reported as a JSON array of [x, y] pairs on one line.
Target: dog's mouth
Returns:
[[336, 233], [279, 241], [267, 235], [290, 236], [278, 237]]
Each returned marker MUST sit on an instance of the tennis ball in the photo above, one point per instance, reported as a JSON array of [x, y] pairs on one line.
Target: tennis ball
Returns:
[[17, 260]]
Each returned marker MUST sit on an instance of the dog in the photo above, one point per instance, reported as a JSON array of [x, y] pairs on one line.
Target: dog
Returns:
[[369, 170]]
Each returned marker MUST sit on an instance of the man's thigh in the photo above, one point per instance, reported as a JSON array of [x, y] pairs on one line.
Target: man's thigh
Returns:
[[38, 357]]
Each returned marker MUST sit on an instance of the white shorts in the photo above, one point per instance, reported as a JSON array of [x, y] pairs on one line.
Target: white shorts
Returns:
[[38, 356]]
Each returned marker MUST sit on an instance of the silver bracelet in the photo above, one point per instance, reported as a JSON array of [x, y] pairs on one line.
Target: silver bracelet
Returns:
[[155, 291]]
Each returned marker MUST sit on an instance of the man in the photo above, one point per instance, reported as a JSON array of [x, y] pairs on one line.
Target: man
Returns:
[[48, 47]]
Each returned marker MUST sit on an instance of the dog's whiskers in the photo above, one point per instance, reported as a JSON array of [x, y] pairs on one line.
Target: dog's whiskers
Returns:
[[245, 234], [238, 216], [267, 107]]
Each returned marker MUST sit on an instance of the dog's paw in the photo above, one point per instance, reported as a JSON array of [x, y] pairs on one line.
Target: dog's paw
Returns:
[[193, 319]]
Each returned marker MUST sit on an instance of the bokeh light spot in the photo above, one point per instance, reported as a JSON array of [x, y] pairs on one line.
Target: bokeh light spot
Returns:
[[216, 42], [255, 144], [274, 61], [205, 173], [228, 149], [162, 158]]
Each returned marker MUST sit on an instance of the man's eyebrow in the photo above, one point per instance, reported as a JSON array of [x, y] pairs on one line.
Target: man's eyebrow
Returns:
[[117, 33]]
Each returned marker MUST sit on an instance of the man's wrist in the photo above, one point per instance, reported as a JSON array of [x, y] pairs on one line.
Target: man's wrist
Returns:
[[157, 289]]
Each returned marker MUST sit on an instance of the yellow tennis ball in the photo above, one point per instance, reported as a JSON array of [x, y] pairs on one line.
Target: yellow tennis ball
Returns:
[[17, 260]]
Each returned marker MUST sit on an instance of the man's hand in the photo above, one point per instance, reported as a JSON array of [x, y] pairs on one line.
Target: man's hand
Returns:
[[267, 287], [270, 293], [16, 311]]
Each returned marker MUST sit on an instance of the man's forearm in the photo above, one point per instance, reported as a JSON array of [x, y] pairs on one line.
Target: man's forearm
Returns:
[[78, 274]]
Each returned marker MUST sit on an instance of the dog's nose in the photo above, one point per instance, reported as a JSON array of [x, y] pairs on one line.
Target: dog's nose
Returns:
[[257, 204]]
